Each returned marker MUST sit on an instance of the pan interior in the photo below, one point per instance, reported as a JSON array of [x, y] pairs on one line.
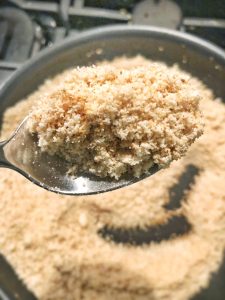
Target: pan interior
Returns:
[[171, 49]]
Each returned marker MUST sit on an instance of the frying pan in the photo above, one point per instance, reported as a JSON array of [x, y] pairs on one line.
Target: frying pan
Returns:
[[202, 59]]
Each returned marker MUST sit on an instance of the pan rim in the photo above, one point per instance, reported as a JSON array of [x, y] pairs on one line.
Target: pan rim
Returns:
[[107, 32]]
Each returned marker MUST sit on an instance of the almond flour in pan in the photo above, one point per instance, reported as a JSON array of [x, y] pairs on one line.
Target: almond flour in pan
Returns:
[[53, 242], [109, 121]]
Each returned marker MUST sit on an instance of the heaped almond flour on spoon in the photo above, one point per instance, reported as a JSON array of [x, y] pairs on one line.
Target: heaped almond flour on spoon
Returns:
[[54, 244], [110, 121]]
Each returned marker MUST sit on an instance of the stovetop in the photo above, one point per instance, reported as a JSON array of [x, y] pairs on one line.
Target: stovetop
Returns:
[[26, 27]]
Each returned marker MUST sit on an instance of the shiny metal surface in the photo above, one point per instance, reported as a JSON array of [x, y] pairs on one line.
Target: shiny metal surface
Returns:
[[22, 154], [199, 57]]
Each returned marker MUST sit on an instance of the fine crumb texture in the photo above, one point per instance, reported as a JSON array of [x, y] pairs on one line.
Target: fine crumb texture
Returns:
[[55, 244], [109, 121]]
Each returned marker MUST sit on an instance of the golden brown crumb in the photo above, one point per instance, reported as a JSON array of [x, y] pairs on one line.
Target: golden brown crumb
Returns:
[[110, 121], [53, 242]]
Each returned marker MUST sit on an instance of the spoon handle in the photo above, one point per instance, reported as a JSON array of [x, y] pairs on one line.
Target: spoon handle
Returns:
[[3, 161]]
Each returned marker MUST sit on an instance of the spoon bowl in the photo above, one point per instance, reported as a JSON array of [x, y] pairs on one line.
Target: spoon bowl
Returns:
[[22, 154]]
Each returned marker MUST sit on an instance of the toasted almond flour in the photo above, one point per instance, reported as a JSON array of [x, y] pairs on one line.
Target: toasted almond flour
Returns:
[[109, 121], [53, 244]]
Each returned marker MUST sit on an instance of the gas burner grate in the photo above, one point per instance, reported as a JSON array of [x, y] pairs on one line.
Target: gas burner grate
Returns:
[[28, 26], [16, 38]]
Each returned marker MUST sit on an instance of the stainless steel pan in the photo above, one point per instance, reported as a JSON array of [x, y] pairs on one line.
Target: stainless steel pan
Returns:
[[200, 58]]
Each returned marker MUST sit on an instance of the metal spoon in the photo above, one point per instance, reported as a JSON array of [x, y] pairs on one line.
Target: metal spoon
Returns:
[[22, 154]]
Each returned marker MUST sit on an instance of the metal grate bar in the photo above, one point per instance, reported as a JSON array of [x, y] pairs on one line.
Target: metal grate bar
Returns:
[[49, 7], [202, 22], [8, 65], [63, 13], [19, 36], [78, 3], [37, 6], [100, 13], [3, 33], [20, 45]]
